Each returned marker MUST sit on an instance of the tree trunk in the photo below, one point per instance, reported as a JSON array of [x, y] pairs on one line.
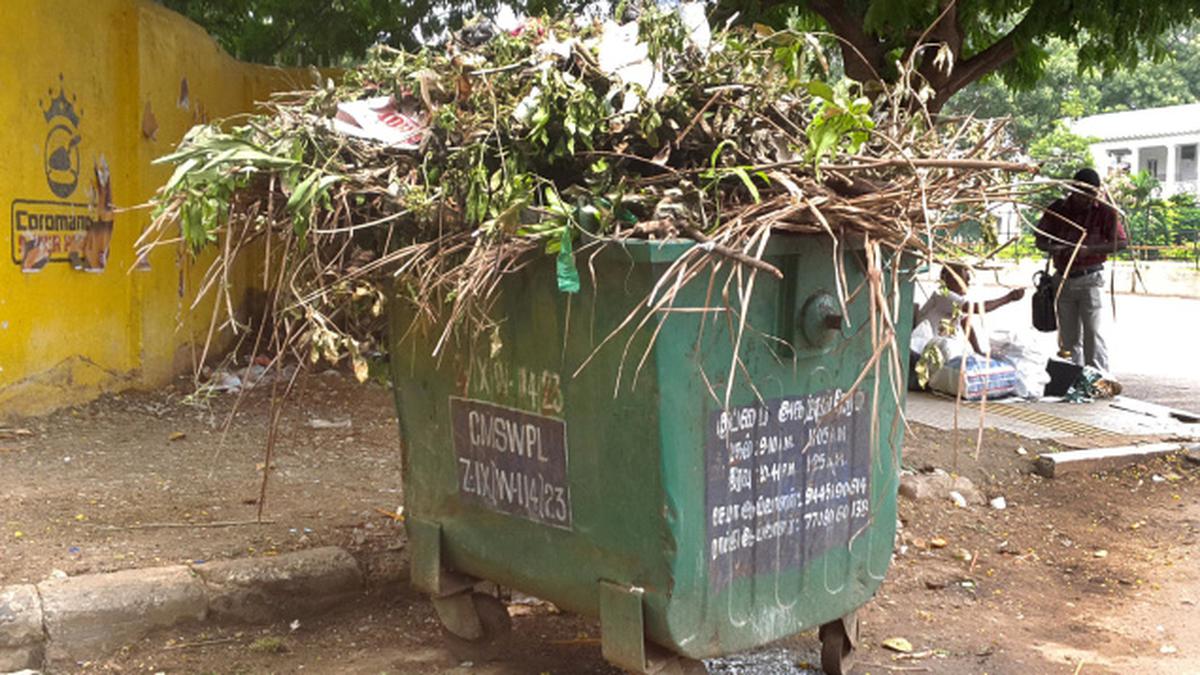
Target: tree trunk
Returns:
[[862, 54]]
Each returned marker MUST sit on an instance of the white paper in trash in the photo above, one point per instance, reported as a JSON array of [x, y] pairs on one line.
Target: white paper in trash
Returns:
[[379, 119], [626, 58], [524, 110], [551, 46], [695, 22]]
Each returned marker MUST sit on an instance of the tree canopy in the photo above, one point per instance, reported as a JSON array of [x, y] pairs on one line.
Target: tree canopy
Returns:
[[981, 37], [1060, 152], [1065, 92], [325, 32], [950, 43]]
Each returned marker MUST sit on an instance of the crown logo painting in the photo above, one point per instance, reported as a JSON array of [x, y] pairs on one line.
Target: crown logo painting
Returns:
[[61, 159]]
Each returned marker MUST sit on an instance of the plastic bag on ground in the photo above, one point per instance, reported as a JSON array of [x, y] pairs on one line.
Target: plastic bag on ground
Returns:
[[1090, 385], [991, 377], [934, 353], [950, 346], [921, 336], [1027, 357]]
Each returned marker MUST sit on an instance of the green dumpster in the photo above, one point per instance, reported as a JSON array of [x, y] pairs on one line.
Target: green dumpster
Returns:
[[627, 491]]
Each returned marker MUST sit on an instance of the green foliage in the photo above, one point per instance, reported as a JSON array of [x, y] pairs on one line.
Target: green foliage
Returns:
[[212, 166], [1070, 88], [1025, 246], [1061, 153], [1182, 253], [336, 32], [1007, 36], [840, 122], [982, 37], [1178, 220], [542, 141], [1136, 194], [514, 152], [717, 172], [318, 32], [1151, 219]]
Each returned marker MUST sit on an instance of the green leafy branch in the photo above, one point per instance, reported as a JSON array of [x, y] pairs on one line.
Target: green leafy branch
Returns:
[[840, 122]]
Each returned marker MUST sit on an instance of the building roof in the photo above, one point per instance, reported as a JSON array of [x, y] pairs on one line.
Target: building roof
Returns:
[[1172, 120]]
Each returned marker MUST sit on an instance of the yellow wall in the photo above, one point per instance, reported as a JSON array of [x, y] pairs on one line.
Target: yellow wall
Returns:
[[73, 329]]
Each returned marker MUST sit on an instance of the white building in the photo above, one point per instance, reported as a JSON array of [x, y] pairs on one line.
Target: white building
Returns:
[[1161, 141]]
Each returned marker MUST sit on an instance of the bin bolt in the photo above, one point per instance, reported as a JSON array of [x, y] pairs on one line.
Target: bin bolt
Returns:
[[821, 319]]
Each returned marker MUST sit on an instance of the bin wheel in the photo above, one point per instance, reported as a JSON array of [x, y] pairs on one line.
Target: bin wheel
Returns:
[[496, 625], [837, 645]]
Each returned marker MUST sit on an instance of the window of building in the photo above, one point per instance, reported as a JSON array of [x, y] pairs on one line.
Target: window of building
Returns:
[[1118, 161], [1187, 163]]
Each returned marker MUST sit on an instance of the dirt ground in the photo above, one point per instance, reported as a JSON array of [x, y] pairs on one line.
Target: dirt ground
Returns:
[[1098, 570], [1082, 574], [129, 480]]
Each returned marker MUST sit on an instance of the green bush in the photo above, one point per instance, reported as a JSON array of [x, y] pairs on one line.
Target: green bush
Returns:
[[1184, 252]]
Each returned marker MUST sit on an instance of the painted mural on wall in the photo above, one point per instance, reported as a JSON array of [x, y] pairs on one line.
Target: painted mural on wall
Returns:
[[66, 225]]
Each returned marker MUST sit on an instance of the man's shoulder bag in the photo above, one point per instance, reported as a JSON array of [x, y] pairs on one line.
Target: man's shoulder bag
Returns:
[[1044, 317]]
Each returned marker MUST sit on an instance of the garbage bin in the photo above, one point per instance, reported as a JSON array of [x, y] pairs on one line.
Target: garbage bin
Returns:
[[628, 492]]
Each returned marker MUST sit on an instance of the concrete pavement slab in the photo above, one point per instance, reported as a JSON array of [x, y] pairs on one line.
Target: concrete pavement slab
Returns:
[[1099, 420]]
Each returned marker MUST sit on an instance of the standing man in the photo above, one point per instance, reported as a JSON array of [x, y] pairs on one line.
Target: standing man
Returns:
[[1079, 232]]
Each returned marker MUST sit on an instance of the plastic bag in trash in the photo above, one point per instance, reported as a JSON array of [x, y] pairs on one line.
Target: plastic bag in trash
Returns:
[[382, 119], [624, 57]]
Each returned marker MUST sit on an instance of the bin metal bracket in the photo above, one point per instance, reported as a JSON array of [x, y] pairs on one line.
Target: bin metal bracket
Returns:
[[449, 592], [622, 630], [429, 574], [425, 538]]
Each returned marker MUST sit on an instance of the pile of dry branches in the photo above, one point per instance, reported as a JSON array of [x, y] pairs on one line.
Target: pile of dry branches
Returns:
[[560, 137]]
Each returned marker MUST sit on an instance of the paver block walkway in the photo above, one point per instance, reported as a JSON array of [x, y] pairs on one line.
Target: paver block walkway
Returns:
[[1098, 423]]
